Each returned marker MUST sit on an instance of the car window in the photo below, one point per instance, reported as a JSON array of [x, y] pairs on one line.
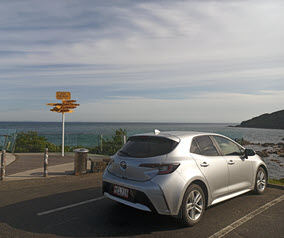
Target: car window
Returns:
[[228, 147], [206, 146], [147, 146], [194, 148]]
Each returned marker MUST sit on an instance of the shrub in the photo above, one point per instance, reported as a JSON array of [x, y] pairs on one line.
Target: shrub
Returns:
[[31, 142]]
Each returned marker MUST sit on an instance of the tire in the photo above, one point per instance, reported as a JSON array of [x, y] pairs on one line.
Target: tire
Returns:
[[193, 205], [260, 181]]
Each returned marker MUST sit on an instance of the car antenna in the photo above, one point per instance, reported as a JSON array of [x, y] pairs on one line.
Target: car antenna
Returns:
[[156, 132]]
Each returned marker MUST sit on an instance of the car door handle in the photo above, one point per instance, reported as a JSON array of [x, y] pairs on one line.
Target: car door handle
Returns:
[[231, 162], [204, 164]]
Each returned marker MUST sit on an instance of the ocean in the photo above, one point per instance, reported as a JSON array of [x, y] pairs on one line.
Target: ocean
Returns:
[[87, 133]]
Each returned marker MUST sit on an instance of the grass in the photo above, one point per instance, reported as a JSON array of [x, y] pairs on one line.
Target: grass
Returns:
[[276, 181]]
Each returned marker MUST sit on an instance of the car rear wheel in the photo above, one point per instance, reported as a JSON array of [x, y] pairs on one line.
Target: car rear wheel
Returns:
[[260, 181], [193, 205]]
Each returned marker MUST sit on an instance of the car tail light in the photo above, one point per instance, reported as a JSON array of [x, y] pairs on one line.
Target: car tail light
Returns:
[[163, 168]]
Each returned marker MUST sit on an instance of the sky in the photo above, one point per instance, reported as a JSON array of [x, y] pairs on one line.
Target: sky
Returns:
[[142, 61]]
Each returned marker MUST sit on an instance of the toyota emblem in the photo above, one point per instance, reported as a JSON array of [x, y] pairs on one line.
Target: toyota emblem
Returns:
[[123, 164]]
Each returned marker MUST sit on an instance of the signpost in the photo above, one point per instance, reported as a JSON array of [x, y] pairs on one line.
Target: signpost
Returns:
[[63, 108]]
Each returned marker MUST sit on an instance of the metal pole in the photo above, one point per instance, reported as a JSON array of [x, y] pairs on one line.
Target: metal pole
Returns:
[[3, 164], [124, 139], [45, 162], [101, 142], [63, 122]]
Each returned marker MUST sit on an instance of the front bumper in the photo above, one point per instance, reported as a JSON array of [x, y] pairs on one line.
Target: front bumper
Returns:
[[146, 195]]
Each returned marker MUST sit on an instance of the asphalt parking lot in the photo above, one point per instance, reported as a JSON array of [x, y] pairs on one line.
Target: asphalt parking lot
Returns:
[[28, 209]]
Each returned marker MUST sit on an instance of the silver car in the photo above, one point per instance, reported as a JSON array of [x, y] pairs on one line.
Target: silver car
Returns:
[[181, 173]]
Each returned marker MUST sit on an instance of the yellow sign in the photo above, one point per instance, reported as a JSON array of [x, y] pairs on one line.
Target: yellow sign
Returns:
[[63, 95], [63, 107], [66, 104]]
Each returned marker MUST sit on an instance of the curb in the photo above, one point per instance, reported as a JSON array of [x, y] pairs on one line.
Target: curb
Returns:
[[275, 186], [12, 158]]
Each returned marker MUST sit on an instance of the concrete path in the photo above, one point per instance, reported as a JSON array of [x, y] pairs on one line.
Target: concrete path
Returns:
[[53, 171], [30, 165], [10, 158]]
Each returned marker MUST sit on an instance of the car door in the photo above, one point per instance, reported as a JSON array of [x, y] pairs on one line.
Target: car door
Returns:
[[240, 169], [212, 165]]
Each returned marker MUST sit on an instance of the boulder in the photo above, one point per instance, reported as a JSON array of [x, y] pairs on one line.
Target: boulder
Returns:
[[267, 144], [262, 153]]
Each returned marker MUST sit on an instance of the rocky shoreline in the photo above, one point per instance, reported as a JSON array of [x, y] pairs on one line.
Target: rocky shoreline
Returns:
[[271, 153]]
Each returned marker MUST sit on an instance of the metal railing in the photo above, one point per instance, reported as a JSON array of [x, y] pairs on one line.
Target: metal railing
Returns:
[[8, 142], [96, 143]]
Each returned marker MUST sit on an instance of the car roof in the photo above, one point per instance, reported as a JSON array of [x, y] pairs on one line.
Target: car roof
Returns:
[[177, 134]]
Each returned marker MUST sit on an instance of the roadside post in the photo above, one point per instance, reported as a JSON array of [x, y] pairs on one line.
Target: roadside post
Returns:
[[101, 140], [64, 107], [45, 162], [3, 164]]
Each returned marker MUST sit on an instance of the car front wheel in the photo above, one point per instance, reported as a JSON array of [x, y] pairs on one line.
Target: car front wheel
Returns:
[[193, 205], [260, 181]]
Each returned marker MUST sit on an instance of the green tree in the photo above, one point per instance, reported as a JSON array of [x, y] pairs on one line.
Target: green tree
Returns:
[[31, 142], [110, 146]]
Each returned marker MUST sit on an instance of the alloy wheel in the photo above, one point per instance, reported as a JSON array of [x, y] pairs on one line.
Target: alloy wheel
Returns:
[[261, 180], [194, 205]]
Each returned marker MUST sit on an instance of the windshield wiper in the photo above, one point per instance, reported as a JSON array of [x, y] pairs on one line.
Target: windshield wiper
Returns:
[[125, 153]]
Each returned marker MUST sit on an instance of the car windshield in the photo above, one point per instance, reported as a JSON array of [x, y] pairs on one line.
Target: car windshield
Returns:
[[147, 146]]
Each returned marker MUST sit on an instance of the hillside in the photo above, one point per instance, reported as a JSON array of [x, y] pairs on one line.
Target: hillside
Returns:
[[273, 120]]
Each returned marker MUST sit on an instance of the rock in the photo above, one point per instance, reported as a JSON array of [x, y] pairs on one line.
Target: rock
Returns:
[[280, 144], [267, 144], [98, 166], [242, 141], [276, 161], [106, 160], [262, 153]]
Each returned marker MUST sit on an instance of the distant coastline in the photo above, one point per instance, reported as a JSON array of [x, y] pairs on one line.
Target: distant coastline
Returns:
[[273, 120]]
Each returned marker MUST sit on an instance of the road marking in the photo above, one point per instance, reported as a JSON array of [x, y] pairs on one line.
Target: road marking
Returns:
[[244, 219], [69, 206]]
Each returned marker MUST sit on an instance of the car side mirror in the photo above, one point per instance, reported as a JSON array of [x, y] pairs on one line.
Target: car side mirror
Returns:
[[249, 152]]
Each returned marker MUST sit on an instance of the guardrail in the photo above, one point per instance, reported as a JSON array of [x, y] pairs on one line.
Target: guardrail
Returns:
[[8, 142]]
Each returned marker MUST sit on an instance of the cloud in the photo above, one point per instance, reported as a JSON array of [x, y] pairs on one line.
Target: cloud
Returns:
[[226, 107], [167, 52]]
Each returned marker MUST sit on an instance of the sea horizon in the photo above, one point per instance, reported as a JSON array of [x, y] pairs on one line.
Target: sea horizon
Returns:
[[132, 122], [86, 133]]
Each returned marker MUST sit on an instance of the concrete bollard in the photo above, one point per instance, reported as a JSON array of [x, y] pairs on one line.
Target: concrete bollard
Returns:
[[3, 164], [45, 162]]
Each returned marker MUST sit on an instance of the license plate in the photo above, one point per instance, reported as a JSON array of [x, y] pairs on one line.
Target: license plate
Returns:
[[120, 191]]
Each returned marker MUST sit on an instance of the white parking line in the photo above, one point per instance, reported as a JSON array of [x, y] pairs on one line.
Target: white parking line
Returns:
[[244, 219], [70, 206]]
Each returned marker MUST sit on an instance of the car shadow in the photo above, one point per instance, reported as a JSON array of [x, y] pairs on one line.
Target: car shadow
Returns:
[[102, 218]]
